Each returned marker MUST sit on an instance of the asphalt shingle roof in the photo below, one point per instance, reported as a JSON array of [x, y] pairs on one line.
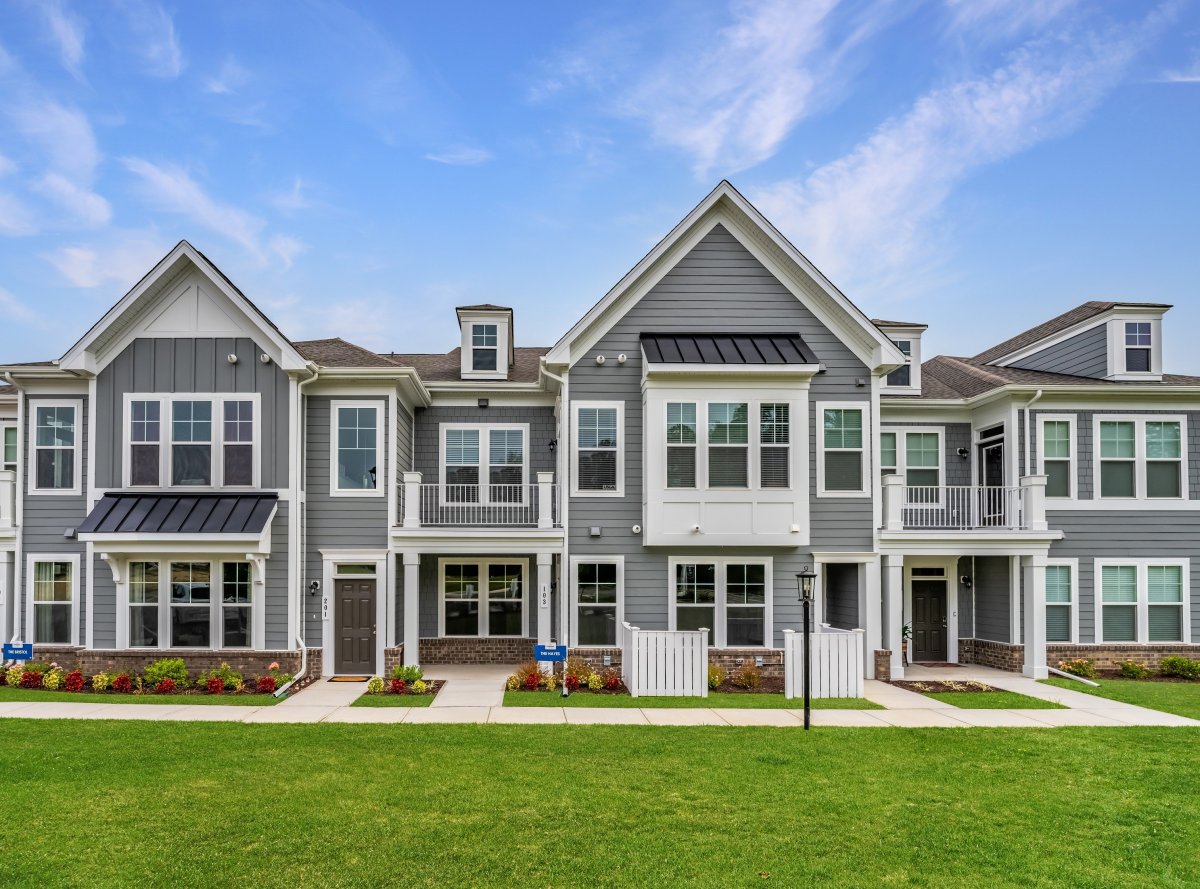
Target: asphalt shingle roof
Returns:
[[950, 377], [1055, 325]]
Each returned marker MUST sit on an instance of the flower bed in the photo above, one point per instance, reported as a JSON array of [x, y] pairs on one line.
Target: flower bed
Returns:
[[1170, 669], [406, 686], [970, 694], [165, 678], [579, 677]]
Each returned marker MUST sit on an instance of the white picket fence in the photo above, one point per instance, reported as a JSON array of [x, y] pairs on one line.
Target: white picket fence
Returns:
[[655, 663], [837, 663]]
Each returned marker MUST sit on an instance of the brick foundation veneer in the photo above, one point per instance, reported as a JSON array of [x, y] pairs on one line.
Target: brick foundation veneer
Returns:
[[986, 653], [494, 650], [883, 665], [733, 658], [1109, 656], [594, 657], [248, 663], [392, 658]]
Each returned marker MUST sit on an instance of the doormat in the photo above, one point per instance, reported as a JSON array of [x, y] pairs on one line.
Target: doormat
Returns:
[[933, 664], [348, 679]]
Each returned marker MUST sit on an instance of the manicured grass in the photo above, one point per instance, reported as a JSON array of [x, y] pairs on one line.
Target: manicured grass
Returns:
[[107, 804], [1180, 698], [993, 700], [393, 701], [714, 699], [63, 697]]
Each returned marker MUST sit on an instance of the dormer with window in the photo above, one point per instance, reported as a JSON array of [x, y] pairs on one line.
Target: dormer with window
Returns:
[[905, 380], [1135, 345], [487, 342]]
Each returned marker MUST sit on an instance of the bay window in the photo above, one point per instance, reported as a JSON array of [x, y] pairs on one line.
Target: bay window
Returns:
[[841, 454], [191, 599], [235, 605], [1141, 457], [143, 605], [173, 604], [596, 586], [728, 445], [681, 445], [730, 596], [598, 463], [56, 453], [1143, 600], [775, 456]]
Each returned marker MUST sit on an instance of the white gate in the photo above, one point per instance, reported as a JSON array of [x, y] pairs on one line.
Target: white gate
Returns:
[[655, 663], [837, 663]]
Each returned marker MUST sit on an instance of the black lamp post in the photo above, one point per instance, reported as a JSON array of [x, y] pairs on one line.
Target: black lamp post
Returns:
[[804, 580]]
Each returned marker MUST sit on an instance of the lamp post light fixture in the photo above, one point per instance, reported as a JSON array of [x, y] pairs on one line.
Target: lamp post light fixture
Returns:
[[804, 581]]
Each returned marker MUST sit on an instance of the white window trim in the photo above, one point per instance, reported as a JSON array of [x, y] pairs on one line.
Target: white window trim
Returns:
[[485, 444], [869, 461], [902, 466], [1073, 472], [165, 441], [484, 595], [914, 366], [4, 426], [1073, 564], [1139, 459], [1116, 347], [30, 560], [576, 406], [380, 469], [467, 322], [384, 605], [1143, 597], [575, 562], [719, 609], [32, 449]]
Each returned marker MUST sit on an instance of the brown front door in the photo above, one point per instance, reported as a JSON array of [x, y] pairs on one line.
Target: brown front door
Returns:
[[928, 620], [355, 618]]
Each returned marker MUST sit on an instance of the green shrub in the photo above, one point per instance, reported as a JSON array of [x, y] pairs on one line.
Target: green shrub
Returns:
[[13, 676], [1180, 667], [746, 676], [52, 679], [231, 677], [409, 673], [1134, 670], [716, 675], [1079, 666], [101, 681], [375, 685], [172, 668]]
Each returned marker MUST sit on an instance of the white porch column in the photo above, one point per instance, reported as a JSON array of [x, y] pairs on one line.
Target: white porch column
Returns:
[[1033, 502], [870, 613], [545, 483], [412, 500], [412, 611], [893, 502], [1034, 568], [893, 582], [544, 563]]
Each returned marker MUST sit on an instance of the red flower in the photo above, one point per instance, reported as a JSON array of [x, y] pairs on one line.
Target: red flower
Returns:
[[398, 687], [612, 682], [572, 682], [265, 685], [31, 679], [122, 684], [73, 681], [165, 686], [533, 681], [216, 685]]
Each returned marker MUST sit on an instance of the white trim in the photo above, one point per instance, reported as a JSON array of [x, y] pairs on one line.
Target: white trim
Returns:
[[383, 589], [575, 562], [1073, 470], [949, 567], [1140, 459], [869, 461], [912, 336], [30, 623], [77, 447], [1073, 564], [902, 466], [619, 406], [1117, 346], [720, 613], [381, 477], [1142, 603], [484, 465], [502, 321], [484, 595]]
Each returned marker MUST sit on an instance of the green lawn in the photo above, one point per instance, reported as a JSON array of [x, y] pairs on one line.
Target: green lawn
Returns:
[[714, 699], [41, 694], [993, 700], [393, 701], [1180, 698], [114, 804]]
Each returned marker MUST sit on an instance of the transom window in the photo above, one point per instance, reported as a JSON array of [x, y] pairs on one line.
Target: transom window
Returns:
[[1138, 344], [55, 447], [597, 602], [1141, 458], [173, 604], [842, 452], [483, 598], [53, 602], [484, 342], [1143, 600], [598, 449], [731, 597], [358, 448], [470, 454]]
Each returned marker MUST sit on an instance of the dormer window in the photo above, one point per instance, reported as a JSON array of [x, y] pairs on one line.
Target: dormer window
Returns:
[[483, 347], [902, 376], [1138, 343], [1135, 345], [906, 337]]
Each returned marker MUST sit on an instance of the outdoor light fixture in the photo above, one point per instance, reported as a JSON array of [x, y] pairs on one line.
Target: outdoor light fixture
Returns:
[[553, 445], [963, 452], [804, 581]]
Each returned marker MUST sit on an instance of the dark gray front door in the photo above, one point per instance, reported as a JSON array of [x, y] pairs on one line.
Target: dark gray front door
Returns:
[[355, 619], [928, 620]]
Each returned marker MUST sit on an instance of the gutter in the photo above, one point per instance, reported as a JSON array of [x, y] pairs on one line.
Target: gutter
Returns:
[[1028, 405], [564, 495], [18, 610]]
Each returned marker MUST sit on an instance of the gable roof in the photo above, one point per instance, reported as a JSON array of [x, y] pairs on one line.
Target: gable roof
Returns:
[[946, 377], [1065, 321], [337, 352], [726, 206], [879, 322]]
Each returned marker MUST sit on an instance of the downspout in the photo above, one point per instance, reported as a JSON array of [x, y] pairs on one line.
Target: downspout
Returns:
[[564, 422], [1028, 433], [18, 609], [299, 504]]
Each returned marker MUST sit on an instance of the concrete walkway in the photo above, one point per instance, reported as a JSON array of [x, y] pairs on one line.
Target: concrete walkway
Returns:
[[474, 685]]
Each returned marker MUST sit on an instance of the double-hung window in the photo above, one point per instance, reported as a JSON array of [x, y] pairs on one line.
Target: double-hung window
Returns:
[[696, 597], [922, 459], [235, 605], [1138, 345], [1164, 603], [8, 448], [1143, 600], [598, 441], [842, 451], [1164, 459], [462, 466], [191, 605], [597, 600], [238, 436], [1141, 458], [1057, 454], [1060, 603], [506, 465], [359, 443], [681, 444], [484, 343], [745, 604], [53, 601], [143, 604], [484, 464], [191, 443], [774, 455], [145, 442], [728, 445], [731, 597], [888, 456], [56, 447], [902, 376]]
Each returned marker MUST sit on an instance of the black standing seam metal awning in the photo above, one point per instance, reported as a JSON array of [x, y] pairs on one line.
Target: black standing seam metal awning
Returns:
[[726, 348], [137, 513]]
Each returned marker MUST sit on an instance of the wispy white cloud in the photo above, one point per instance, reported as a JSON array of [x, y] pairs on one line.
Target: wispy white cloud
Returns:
[[1188, 74], [67, 32], [64, 135], [81, 203], [286, 249], [154, 37], [461, 156], [230, 78], [1001, 18], [17, 218], [293, 200], [870, 215], [7, 166], [119, 259]]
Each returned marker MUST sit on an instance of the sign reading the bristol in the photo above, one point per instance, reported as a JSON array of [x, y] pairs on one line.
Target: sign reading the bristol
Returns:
[[550, 653], [18, 651]]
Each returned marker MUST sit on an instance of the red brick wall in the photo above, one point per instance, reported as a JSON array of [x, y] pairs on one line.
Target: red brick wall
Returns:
[[729, 658], [883, 665], [248, 663], [476, 651], [986, 653], [1109, 656]]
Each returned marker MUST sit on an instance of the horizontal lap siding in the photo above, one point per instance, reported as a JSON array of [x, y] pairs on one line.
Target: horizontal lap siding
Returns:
[[954, 436], [542, 431], [719, 287], [992, 598], [275, 590], [841, 596], [966, 600], [1083, 355]]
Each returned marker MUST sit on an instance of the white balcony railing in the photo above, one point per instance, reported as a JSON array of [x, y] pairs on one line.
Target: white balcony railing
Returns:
[[8, 493], [964, 507], [479, 506]]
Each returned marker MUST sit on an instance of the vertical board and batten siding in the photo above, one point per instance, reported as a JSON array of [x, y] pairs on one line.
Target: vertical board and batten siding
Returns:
[[718, 287], [427, 447], [47, 516], [836, 667], [193, 366], [336, 522], [992, 595], [1083, 355], [955, 436]]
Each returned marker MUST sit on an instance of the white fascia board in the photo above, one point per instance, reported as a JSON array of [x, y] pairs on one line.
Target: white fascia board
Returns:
[[1079, 327], [685, 372], [406, 381], [725, 205]]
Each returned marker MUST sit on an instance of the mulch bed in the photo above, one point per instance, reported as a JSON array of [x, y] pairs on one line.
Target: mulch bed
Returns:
[[769, 685], [938, 686]]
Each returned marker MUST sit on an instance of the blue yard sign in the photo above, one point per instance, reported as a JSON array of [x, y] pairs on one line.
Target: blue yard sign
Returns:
[[17, 651], [550, 652]]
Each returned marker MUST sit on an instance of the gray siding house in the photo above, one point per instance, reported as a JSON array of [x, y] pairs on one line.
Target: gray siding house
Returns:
[[187, 479]]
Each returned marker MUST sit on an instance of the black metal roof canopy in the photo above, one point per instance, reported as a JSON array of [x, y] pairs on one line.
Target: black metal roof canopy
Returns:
[[726, 348], [180, 514]]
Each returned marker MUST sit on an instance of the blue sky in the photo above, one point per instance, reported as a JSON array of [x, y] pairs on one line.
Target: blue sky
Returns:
[[359, 170]]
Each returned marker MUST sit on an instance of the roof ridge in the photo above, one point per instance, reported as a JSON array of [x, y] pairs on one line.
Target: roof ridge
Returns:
[[973, 369]]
